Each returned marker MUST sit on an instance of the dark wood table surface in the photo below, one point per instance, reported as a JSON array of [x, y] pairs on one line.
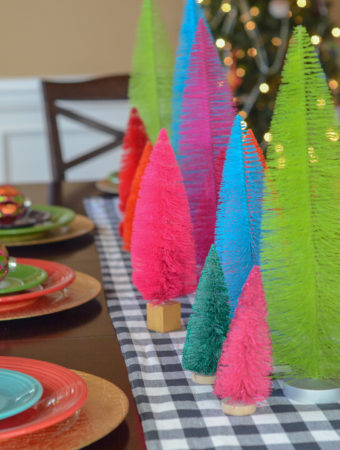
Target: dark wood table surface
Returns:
[[82, 338]]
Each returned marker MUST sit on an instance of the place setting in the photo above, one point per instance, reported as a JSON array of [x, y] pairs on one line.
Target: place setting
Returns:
[[34, 287], [23, 223], [41, 401]]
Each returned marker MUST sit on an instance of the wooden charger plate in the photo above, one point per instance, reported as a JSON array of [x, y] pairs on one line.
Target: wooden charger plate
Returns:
[[78, 227], [82, 290], [107, 187], [105, 408]]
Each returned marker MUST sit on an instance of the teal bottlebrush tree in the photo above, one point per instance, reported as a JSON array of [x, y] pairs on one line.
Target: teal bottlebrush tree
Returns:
[[209, 321], [191, 14], [237, 234], [301, 215], [152, 68], [243, 374]]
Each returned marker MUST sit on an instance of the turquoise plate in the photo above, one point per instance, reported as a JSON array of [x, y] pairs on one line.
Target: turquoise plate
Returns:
[[21, 277], [18, 392]]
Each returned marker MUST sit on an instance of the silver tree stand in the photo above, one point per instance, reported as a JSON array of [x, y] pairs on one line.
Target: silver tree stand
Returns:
[[310, 391]]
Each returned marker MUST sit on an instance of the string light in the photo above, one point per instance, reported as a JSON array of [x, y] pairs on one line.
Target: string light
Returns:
[[333, 84], [250, 25], [240, 54], [335, 32], [199, 1], [264, 88], [220, 43], [267, 137], [252, 51], [312, 156], [228, 61], [332, 135], [226, 7], [315, 39], [281, 163], [276, 41], [321, 103], [279, 148], [240, 72], [254, 11], [301, 3]]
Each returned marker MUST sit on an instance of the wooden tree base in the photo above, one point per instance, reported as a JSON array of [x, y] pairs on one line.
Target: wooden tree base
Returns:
[[165, 317], [203, 379], [237, 410]]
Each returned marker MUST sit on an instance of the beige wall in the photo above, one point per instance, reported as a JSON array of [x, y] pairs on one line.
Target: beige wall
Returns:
[[62, 37]]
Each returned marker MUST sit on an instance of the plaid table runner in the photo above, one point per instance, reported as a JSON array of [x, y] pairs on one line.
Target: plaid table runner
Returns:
[[176, 413]]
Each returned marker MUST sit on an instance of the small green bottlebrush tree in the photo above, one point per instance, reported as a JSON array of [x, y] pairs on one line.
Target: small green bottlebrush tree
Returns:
[[150, 85], [209, 321], [301, 215]]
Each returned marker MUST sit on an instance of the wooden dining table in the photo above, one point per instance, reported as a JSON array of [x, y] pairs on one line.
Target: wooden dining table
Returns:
[[81, 338]]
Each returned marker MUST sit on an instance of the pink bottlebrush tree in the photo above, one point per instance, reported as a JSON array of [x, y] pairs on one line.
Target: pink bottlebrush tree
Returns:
[[162, 247], [207, 115], [245, 365]]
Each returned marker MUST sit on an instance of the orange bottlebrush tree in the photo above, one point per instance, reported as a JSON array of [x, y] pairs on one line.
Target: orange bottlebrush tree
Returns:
[[133, 196]]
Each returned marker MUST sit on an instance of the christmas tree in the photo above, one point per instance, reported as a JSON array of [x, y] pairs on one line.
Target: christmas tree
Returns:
[[300, 256], [191, 14], [152, 69], [133, 196], [162, 248], [209, 321], [243, 373], [134, 141], [252, 37], [239, 210], [206, 120]]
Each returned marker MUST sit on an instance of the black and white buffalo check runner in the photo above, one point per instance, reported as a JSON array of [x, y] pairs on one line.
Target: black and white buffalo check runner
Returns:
[[176, 413]]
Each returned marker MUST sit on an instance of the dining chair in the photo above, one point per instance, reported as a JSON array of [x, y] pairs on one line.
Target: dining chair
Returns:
[[105, 88]]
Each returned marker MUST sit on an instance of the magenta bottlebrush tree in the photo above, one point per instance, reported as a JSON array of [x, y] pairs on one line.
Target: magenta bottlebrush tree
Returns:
[[207, 115], [245, 365], [162, 246]]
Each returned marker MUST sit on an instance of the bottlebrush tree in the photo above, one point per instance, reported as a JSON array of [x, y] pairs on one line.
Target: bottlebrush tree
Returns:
[[133, 197], [209, 321], [150, 83], [239, 210], [243, 373], [207, 115], [162, 247], [300, 240], [191, 14], [133, 144]]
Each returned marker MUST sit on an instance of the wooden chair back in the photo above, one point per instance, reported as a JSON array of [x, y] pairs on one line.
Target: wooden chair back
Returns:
[[106, 88]]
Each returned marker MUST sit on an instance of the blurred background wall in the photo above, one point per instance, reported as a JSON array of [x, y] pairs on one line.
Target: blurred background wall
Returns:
[[61, 37]]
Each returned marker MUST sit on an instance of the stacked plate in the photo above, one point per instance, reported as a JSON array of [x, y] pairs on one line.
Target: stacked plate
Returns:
[[45, 224], [35, 287], [44, 405]]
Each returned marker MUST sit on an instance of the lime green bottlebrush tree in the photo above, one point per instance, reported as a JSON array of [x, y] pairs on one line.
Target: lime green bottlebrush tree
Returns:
[[209, 321], [150, 87], [301, 217]]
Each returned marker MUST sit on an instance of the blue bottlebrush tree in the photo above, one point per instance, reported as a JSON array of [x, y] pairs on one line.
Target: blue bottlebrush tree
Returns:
[[191, 14], [237, 233], [209, 321]]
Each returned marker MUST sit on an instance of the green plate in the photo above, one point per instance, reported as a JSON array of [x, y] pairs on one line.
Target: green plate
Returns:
[[21, 277], [59, 217]]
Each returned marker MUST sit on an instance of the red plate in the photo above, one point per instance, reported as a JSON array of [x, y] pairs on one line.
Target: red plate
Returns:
[[64, 393], [59, 276]]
